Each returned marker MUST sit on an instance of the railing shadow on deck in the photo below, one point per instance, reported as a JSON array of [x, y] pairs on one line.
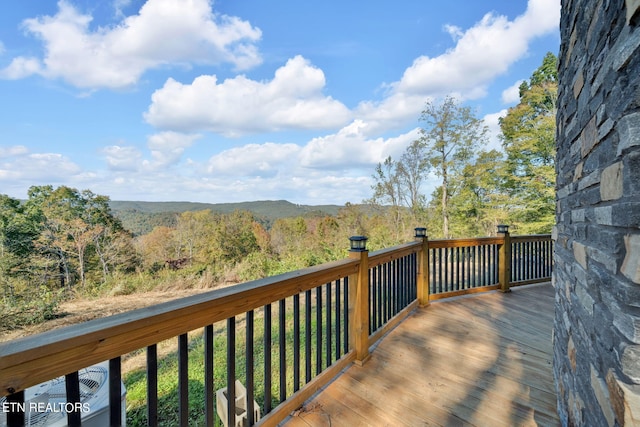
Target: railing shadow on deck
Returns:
[[282, 337]]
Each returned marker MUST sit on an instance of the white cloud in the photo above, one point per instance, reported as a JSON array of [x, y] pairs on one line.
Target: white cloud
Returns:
[[493, 123], [511, 95], [38, 168], [392, 112], [481, 53], [254, 160], [292, 100], [343, 154], [15, 150], [21, 67], [164, 32], [167, 147], [351, 148], [121, 158]]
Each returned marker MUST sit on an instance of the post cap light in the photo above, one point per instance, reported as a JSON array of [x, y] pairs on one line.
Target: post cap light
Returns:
[[503, 228], [358, 243], [420, 232]]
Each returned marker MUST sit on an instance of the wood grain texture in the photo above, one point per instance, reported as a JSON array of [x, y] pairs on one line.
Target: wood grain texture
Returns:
[[479, 360]]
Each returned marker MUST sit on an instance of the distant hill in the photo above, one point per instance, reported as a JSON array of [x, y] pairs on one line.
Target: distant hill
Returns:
[[141, 217]]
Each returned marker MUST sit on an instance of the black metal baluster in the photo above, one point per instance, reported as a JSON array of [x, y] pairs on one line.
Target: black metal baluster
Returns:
[[115, 392], [346, 314], [529, 262], [394, 287], [375, 272], [16, 404], [72, 387], [523, 260], [338, 321], [373, 318], [380, 293], [448, 270], [496, 273], [328, 325], [536, 254], [469, 268], [516, 254], [407, 281], [296, 342], [432, 272], [463, 262], [388, 284], [249, 367], [485, 268], [456, 262], [398, 271], [400, 280], [267, 358], [183, 379], [440, 289], [282, 340], [539, 258], [231, 371], [152, 385], [549, 258], [209, 389], [474, 263], [406, 261], [527, 259], [307, 334], [402, 262], [318, 330], [400, 283]]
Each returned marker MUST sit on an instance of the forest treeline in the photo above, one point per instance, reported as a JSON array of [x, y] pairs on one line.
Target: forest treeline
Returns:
[[62, 242]]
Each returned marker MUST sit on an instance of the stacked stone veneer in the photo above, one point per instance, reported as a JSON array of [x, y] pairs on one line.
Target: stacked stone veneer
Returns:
[[597, 259]]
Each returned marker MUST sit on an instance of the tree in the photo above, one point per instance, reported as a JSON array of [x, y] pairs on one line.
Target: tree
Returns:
[[156, 247], [528, 132], [70, 225], [17, 232], [389, 191], [412, 171], [449, 137], [480, 203]]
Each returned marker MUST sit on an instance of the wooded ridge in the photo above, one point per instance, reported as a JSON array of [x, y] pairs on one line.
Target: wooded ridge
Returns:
[[141, 217]]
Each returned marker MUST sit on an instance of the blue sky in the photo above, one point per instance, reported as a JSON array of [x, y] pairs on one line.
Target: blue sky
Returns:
[[242, 100]]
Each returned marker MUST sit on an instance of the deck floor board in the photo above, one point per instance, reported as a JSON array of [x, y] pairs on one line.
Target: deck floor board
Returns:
[[480, 360]]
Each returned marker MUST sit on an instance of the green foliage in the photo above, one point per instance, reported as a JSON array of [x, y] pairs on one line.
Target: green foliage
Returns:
[[529, 141], [57, 239], [450, 137], [29, 308]]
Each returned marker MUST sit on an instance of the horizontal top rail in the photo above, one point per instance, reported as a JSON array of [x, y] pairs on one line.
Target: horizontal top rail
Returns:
[[31, 360], [458, 243], [531, 238], [387, 255]]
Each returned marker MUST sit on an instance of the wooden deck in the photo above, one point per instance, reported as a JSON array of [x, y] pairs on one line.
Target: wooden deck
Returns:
[[481, 360]]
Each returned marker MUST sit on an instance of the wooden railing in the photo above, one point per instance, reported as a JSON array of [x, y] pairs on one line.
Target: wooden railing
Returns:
[[298, 330]]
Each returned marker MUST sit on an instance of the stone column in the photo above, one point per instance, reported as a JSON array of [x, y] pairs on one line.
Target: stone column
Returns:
[[597, 251]]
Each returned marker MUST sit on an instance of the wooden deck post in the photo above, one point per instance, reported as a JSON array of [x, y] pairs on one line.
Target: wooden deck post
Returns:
[[423, 267], [504, 264], [359, 301]]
